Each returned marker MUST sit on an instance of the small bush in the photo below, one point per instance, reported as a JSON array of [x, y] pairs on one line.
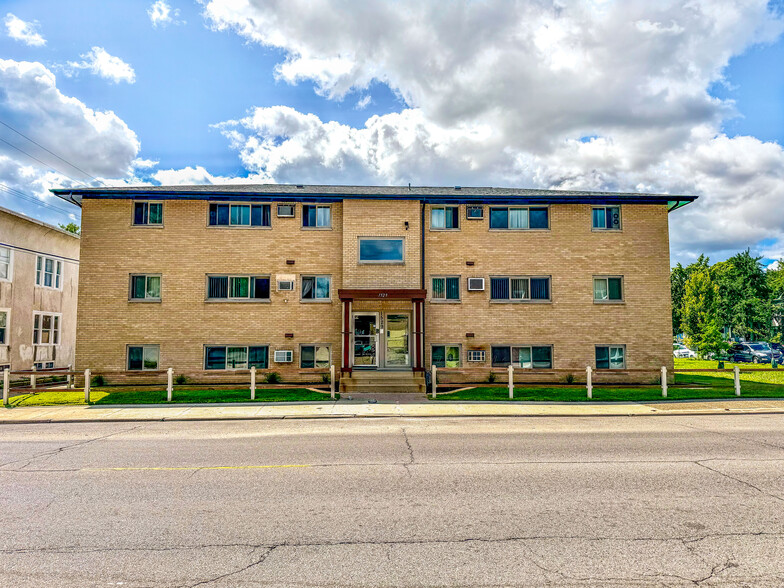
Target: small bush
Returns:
[[569, 378], [98, 380], [272, 378], [491, 377], [181, 379], [325, 379]]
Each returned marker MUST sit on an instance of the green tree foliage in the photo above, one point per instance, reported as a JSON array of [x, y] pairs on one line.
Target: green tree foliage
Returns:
[[711, 340], [678, 278], [72, 228], [700, 307], [745, 305]]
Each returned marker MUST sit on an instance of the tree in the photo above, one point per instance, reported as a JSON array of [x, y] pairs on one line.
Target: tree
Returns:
[[711, 341], [745, 303], [72, 228], [700, 306], [678, 278]]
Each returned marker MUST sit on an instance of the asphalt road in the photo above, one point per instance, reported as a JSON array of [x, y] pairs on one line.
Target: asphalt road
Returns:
[[676, 501]]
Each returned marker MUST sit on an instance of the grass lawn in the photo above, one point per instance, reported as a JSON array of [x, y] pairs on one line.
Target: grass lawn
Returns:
[[776, 377], [107, 396]]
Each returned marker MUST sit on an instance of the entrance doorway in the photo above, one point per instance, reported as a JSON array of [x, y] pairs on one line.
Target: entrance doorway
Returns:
[[365, 339], [397, 352], [382, 340]]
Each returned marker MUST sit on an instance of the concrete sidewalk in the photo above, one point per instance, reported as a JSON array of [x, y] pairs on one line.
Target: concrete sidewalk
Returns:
[[362, 406]]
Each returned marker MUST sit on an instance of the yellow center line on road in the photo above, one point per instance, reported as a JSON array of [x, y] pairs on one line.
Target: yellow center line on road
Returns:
[[238, 467]]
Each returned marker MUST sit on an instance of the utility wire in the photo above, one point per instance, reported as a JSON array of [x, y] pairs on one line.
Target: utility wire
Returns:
[[52, 153], [33, 199], [41, 162]]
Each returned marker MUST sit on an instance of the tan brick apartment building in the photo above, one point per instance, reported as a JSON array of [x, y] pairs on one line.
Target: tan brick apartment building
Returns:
[[39, 278], [376, 280]]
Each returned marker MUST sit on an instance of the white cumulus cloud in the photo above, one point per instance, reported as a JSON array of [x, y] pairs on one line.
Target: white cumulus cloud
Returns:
[[100, 63], [162, 15], [23, 31], [571, 94]]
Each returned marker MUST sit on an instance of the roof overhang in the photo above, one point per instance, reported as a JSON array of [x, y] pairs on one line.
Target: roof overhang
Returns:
[[382, 294]]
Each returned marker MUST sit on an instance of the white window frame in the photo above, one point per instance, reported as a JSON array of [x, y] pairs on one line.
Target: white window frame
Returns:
[[476, 356], [402, 261], [40, 272], [146, 279], [528, 218], [527, 299], [7, 328], [147, 222], [229, 297], [610, 347], [315, 278], [10, 271], [316, 227], [445, 299], [232, 225], [604, 208], [144, 348], [530, 346], [444, 207], [226, 367], [445, 346], [293, 210], [607, 300], [473, 206], [54, 332], [315, 347]]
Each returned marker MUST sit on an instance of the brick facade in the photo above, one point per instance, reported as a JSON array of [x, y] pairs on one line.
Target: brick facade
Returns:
[[184, 250]]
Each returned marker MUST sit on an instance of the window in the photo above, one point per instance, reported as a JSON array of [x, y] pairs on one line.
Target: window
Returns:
[[238, 287], [607, 218], [519, 289], [444, 217], [608, 289], [40, 365], [610, 357], [143, 357], [446, 288], [3, 326], [380, 250], [46, 328], [6, 256], [316, 216], [446, 356], [519, 218], [314, 356], [475, 212], [476, 355], [148, 213], [48, 272], [526, 357], [145, 287], [286, 210], [239, 215], [235, 358], [316, 287]]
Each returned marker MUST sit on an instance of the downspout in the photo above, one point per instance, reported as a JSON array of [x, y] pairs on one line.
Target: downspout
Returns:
[[422, 276]]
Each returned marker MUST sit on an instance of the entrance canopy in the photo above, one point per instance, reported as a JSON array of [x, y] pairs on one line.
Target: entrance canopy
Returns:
[[382, 294]]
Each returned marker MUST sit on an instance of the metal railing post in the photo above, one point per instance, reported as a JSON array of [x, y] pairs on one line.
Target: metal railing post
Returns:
[[169, 384], [253, 383], [433, 371], [511, 381], [332, 381], [664, 381], [87, 386], [588, 382], [6, 385], [737, 381]]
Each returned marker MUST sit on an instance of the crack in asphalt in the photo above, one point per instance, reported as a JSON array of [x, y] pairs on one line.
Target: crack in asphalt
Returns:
[[410, 451], [258, 561], [744, 482], [734, 437]]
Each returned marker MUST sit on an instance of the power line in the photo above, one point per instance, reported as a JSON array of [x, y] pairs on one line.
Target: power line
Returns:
[[32, 199], [41, 162], [51, 153]]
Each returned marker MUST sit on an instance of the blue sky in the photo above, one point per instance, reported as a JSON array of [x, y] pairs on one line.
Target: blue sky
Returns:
[[698, 107]]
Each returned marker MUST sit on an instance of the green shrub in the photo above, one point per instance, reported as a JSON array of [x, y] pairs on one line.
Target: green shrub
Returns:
[[181, 379], [272, 378], [98, 380], [325, 379], [569, 378], [491, 377]]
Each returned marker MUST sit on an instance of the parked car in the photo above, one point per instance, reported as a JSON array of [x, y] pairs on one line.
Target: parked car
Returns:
[[682, 351], [748, 353], [775, 353]]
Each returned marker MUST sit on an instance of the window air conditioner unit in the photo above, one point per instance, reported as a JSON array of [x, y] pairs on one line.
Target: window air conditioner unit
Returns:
[[476, 284], [284, 356], [285, 210], [286, 282], [475, 212]]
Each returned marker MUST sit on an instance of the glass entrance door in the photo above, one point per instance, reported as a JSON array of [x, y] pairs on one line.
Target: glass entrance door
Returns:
[[397, 353], [365, 340]]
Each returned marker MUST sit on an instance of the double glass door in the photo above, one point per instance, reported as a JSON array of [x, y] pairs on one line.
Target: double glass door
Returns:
[[377, 345]]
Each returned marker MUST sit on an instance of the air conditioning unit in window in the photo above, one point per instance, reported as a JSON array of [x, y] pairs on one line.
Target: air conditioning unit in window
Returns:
[[285, 285], [285, 210], [476, 284], [284, 356]]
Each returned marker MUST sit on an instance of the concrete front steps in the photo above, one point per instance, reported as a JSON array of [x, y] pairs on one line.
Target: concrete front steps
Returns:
[[378, 381]]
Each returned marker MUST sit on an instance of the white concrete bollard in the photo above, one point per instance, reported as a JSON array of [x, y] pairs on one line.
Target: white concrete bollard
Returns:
[[32, 378], [510, 370], [69, 378], [588, 383], [664, 381], [434, 372], [169, 384], [332, 381], [737, 381], [87, 386], [6, 385], [253, 383]]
